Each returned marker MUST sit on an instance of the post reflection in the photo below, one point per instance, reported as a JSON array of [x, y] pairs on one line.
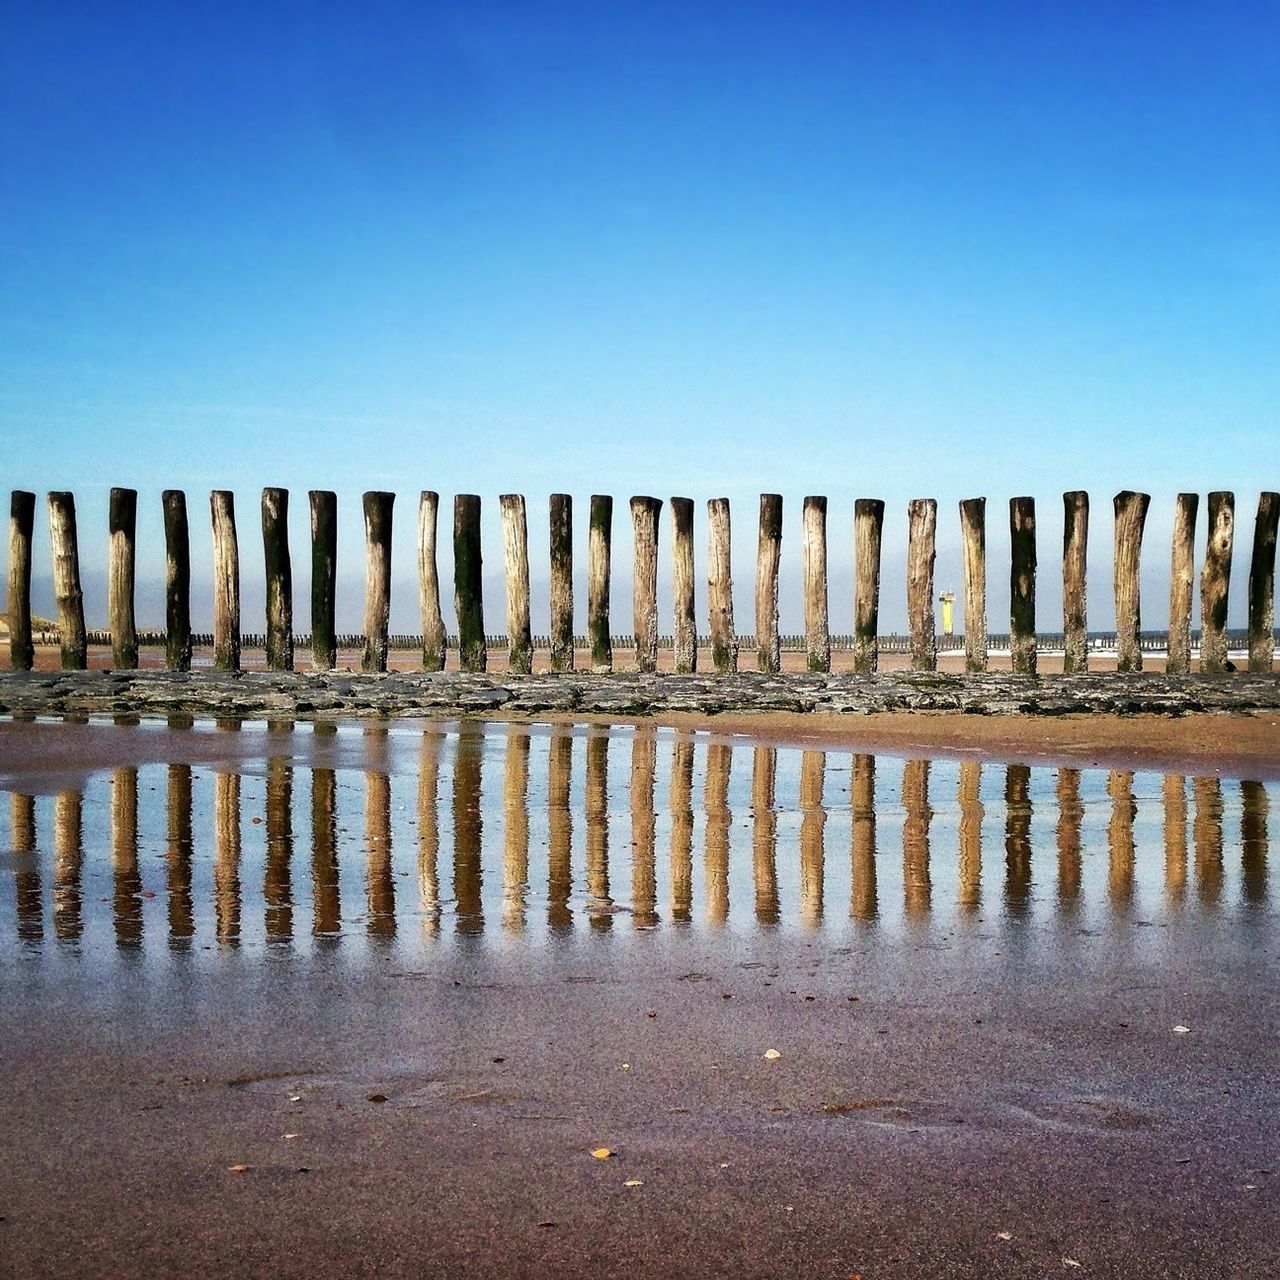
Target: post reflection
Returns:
[[380, 885], [68, 860], [1017, 839], [764, 833], [468, 831], [182, 924], [969, 797], [28, 897], [1195, 836], [644, 821], [126, 902], [862, 811], [596, 812], [917, 889], [719, 822], [515, 811], [681, 804], [559, 830]]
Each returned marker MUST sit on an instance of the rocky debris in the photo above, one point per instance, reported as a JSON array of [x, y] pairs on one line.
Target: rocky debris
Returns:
[[320, 694]]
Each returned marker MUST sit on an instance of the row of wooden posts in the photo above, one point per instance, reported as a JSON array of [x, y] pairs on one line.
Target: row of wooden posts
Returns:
[[1130, 517]]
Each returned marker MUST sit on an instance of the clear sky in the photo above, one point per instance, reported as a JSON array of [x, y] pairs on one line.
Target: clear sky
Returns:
[[894, 249]]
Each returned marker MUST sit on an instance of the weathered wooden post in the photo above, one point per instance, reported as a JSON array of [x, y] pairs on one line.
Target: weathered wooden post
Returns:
[[599, 546], [644, 590], [561, 582], [1181, 583], [817, 624], [685, 634], [768, 554], [515, 548], [1075, 554], [122, 523], [22, 519], [724, 643], [922, 523], [324, 578], [1022, 585], [177, 581], [973, 536], [1215, 581], [66, 581], [433, 634], [868, 526], [1262, 584], [1131, 518], [226, 581], [279, 578], [468, 599], [378, 507]]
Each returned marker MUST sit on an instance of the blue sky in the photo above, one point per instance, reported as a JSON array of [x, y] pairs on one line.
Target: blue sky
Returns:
[[708, 249]]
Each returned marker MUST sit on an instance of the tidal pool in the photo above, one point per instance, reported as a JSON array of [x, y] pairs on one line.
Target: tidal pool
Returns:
[[400, 839]]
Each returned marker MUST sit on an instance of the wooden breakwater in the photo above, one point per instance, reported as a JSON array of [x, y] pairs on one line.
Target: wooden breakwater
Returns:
[[922, 642]]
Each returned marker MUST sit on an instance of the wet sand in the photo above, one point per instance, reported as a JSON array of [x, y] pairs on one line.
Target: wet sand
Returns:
[[997, 1093]]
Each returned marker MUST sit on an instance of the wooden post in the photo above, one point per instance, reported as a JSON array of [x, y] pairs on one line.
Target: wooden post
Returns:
[[226, 581], [22, 518], [1075, 552], [817, 625], [724, 643], [598, 552], [515, 547], [1262, 584], [644, 589], [561, 582], [66, 581], [122, 523], [433, 634], [973, 535], [868, 526], [279, 579], [682, 575], [378, 507], [1215, 581], [1022, 585], [468, 598], [177, 581], [1181, 582], [768, 554], [324, 578], [1131, 517], [922, 522]]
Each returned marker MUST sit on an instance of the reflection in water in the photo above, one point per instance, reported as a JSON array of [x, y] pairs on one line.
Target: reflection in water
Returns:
[[68, 857], [468, 830], [26, 868], [764, 833], [813, 825], [644, 868], [1254, 808], [515, 809], [1017, 838], [599, 903], [969, 796], [127, 899], [862, 806], [1070, 820], [1207, 834], [916, 886], [226, 856], [1143, 824], [182, 922], [681, 806], [559, 830]]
